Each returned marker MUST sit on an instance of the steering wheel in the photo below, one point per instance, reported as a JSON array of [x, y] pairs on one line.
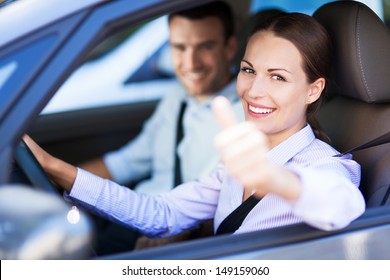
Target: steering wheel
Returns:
[[30, 167]]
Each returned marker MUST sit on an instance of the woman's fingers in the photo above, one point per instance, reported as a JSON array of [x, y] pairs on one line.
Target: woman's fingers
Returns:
[[223, 112], [242, 146]]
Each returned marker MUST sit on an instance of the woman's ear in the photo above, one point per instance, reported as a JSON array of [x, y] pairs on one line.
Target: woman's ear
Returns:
[[315, 90]]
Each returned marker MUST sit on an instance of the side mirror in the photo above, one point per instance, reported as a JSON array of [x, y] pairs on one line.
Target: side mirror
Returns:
[[39, 225]]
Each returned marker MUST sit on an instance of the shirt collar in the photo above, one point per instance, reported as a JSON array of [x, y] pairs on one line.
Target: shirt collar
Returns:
[[286, 150]]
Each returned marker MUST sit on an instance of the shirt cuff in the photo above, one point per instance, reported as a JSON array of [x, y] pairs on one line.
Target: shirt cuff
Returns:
[[87, 187], [310, 205]]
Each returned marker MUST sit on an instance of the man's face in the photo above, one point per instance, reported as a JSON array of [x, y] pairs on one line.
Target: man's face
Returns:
[[201, 56]]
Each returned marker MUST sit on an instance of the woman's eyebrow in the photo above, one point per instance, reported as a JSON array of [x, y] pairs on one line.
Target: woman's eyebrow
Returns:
[[247, 62], [279, 69], [269, 70]]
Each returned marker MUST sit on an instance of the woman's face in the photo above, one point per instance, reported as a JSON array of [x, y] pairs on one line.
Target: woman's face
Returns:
[[273, 86]]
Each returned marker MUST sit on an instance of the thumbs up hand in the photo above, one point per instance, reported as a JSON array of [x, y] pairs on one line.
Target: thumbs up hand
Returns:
[[243, 148]]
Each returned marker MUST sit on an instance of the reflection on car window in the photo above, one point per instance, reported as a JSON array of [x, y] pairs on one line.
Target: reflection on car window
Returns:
[[4, 3], [380, 7], [6, 71], [386, 12], [19, 66], [120, 70]]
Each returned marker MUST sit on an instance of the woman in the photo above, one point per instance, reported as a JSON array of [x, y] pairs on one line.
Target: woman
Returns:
[[277, 154]]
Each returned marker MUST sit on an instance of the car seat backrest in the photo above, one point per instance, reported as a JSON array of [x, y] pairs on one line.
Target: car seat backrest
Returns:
[[358, 106]]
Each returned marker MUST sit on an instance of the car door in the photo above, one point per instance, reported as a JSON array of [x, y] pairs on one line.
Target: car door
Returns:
[[77, 136]]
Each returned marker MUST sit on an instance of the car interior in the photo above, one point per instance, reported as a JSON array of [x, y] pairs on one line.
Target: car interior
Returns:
[[356, 109]]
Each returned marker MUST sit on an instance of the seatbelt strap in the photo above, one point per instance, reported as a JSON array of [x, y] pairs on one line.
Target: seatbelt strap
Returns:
[[375, 142], [179, 137], [232, 222]]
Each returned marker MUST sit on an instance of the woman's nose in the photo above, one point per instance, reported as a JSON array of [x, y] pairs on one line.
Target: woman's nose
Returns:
[[257, 88]]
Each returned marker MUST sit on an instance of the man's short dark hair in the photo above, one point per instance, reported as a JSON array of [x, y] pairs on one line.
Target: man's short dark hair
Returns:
[[218, 9]]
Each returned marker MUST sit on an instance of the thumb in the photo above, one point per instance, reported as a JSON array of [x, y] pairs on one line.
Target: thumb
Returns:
[[223, 112]]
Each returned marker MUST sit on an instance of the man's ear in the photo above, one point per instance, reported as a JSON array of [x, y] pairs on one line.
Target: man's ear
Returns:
[[315, 90]]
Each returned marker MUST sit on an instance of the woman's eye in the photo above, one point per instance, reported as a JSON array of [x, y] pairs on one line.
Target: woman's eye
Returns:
[[277, 78], [247, 70]]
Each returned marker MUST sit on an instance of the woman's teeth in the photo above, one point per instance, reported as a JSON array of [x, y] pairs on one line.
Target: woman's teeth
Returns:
[[260, 110]]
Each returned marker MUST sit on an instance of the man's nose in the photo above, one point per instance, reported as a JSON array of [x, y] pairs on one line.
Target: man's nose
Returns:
[[191, 60]]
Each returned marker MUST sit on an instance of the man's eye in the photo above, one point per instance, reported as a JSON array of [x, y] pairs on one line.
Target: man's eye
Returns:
[[179, 48], [207, 46]]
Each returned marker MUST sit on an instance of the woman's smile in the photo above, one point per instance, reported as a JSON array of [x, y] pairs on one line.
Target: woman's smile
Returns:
[[259, 110]]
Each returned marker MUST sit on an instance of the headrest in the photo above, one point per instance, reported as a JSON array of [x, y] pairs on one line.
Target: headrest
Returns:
[[361, 55]]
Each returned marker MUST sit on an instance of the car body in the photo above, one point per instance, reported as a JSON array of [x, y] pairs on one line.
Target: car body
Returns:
[[43, 56]]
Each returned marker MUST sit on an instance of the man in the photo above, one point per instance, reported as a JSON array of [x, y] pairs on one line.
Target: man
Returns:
[[203, 47]]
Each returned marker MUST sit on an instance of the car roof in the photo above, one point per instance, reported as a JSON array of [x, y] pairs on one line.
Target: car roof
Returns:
[[22, 15]]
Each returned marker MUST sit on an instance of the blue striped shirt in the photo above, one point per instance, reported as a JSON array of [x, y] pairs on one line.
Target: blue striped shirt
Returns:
[[330, 198]]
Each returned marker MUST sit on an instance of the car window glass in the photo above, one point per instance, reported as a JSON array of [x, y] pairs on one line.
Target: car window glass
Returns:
[[21, 65], [309, 7], [6, 71], [4, 3], [289, 6], [380, 7], [127, 67], [386, 12]]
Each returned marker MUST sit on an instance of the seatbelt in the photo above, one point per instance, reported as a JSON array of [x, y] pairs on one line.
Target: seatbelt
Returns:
[[385, 138], [232, 222], [179, 137]]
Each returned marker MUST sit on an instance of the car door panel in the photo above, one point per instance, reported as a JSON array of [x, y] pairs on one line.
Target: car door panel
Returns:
[[81, 135]]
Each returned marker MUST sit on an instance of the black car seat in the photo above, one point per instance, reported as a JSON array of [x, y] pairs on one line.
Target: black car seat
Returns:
[[358, 108]]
